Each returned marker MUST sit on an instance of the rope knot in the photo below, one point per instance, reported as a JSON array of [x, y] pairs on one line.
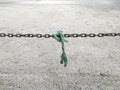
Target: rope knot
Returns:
[[60, 38]]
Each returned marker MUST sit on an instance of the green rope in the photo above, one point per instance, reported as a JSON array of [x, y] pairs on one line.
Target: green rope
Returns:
[[60, 38]]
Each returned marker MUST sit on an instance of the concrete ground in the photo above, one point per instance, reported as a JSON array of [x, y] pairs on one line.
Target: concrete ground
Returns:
[[33, 64]]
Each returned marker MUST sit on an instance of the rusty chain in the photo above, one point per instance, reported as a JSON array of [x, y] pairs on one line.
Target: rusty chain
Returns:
[[82, 35]]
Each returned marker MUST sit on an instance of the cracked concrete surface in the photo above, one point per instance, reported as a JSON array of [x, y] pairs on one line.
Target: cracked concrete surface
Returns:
[[33, 64]]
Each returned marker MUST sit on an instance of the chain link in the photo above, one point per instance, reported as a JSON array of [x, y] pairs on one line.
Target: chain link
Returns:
[[82, 35], [2, 35], [47, 35]]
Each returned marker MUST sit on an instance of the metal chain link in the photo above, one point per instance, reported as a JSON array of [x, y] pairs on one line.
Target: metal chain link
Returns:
[[82, 35]]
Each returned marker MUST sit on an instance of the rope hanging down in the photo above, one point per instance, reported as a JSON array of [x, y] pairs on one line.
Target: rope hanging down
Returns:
[[60, 38]]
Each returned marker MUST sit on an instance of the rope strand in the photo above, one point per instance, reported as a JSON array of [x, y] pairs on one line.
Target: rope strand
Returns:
[[61, 39]]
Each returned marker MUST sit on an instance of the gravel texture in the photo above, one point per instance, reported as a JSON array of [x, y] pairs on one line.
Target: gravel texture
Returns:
[[33, 64]]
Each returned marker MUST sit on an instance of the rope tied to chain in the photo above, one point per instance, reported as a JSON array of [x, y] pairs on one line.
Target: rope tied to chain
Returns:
[[60, 38]]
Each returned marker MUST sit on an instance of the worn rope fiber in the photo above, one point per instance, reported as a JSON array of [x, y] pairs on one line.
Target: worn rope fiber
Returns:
[[60, 38]]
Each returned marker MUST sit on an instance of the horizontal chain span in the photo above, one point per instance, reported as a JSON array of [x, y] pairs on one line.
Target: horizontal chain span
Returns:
[[65, 35]]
